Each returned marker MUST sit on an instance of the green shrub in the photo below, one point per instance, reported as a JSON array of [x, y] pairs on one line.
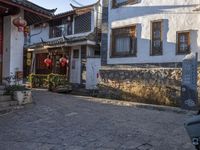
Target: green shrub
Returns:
[[10, 89], [50, 81]]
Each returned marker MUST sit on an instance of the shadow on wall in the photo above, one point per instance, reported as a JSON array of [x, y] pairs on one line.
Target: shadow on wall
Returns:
[[132, 11], [153, 86], [169, 50], [142, 94]]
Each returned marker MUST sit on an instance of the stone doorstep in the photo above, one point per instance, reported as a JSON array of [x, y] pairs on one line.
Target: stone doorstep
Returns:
[[2, 92], [9, 109], [2, 87], [8, 103], [5, 98]]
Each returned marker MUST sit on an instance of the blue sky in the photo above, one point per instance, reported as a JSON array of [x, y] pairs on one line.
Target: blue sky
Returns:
[[62, 5]]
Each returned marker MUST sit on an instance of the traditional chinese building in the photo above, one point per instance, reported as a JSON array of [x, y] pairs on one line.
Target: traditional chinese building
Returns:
[[15, 15], [143, 32], [67, 44]]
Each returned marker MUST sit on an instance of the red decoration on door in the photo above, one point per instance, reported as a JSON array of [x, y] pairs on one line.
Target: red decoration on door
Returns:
[[63, 61], [48, 62]]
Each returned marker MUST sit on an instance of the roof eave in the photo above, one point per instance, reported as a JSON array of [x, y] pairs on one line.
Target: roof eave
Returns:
[[28, 9]]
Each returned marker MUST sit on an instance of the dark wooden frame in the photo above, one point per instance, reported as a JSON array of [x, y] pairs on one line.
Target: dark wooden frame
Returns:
[[116, 33], [153, 50], [178, 52], [55, 23]]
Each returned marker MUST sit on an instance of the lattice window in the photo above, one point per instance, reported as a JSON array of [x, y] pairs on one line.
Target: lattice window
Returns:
[[59, 28], [183, 43], [156, 38], [82, 23], [124, 42]]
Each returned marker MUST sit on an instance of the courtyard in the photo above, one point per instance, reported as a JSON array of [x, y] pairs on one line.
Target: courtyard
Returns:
[[68, 122]]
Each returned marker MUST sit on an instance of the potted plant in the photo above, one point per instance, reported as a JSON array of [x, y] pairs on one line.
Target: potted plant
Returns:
[[59, 83], [17, 91]]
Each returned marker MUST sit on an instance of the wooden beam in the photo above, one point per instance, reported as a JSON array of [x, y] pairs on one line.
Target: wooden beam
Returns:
[[25, 8]]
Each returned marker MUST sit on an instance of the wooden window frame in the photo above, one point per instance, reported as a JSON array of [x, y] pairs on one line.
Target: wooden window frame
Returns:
[[153, 50], [76, 54], [115, 54], [62, 25], [127, 2], [178, 52]]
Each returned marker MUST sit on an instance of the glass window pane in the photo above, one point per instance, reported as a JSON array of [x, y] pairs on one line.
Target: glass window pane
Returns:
[[122, 44], [157, 34], [157, 43]]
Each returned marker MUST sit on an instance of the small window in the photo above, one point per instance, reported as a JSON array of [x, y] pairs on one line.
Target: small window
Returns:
[[82, 23], [183, 43], [76, 53], [124, 42], [156, 38], [59, 28], [118, 3]]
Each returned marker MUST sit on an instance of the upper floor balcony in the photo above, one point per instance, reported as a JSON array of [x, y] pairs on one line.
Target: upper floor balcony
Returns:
[[78, 22]]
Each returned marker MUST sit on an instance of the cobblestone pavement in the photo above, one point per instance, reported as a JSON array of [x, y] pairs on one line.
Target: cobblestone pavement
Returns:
[[66, 122]]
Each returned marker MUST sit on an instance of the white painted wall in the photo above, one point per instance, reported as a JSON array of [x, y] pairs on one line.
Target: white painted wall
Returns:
[[45, 30], [93, 65], [177, 15], [6, 46], [12, 46], [75, 73], [39, 32]]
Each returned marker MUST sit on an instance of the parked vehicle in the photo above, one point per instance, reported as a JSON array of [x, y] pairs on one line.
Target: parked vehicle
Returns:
[[193, 128]]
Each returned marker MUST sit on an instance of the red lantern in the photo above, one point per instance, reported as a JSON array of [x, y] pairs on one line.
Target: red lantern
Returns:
[[63, 61], [20, 23], [48, 62]]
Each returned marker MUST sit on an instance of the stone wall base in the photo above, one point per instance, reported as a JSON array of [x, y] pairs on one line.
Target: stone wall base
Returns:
[[146, 85]]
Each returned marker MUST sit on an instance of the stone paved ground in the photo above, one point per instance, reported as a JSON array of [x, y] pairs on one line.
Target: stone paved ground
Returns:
[[65, 122]]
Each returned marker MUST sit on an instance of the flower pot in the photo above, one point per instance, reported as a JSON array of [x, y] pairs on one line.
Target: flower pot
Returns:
[[23, 97]]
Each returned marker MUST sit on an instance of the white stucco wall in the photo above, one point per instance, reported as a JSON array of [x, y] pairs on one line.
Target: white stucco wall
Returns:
[[93, 65], [45, 30], [12, 46], [75, 72], [39, 32], [6, 45], [177, 15]]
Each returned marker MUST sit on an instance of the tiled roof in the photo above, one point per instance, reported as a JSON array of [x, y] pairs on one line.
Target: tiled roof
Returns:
[[64, 14], [87, 6], [63, 40], [31, 6], [71, 12]]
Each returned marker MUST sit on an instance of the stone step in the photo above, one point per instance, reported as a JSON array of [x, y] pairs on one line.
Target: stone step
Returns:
[[2, 87], [8, 103], [4, 98], [81, 92], [10, 108], [2, 92]]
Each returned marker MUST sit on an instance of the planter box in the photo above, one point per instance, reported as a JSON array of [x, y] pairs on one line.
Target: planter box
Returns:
[[23, 97]]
